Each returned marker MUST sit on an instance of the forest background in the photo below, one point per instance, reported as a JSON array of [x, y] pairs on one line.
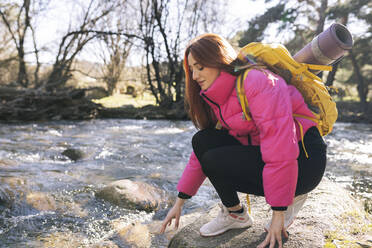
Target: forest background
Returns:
[[78, 59]]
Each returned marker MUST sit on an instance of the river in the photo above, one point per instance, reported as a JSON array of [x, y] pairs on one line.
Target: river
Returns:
[[31, 160]]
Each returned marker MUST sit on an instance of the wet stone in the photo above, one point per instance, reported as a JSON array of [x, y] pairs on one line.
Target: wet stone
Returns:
[[62, 240], [7, 162], [73, 154], [105, 244], [136, 234], [134, 195], [41, 201], [5, 199]]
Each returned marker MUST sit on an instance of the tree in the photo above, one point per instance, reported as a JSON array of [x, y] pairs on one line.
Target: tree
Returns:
[[163, 32], [290, 17], [360, 56], [115, 48], [8, 57], [73, 42], [16, 18]]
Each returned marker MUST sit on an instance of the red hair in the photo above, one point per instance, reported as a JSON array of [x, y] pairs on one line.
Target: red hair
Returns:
[[209, 50]]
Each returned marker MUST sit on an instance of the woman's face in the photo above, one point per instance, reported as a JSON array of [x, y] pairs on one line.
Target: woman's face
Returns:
[[204, 76]]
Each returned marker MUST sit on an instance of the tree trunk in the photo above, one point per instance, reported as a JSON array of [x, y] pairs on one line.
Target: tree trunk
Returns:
[[322, 16], [22, 71], [362, 88], [332, 74]]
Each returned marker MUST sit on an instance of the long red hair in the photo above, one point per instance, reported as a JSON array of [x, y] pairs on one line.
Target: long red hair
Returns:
[[209, 50]]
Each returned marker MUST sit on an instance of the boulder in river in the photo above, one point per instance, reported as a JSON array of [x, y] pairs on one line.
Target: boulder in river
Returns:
[[136, 234], [73, 154], [5, 200], [134, 195], [41, 201], [329, 218]]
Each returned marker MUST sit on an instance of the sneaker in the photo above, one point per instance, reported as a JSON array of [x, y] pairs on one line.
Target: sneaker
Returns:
[[226, 221], [291, 211]]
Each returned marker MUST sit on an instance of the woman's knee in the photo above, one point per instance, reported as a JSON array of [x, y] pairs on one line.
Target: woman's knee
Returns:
[[197, 139], [203, 141], [212, 163]]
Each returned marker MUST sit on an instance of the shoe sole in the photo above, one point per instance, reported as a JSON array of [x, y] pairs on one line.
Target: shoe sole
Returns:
[[223, 231]]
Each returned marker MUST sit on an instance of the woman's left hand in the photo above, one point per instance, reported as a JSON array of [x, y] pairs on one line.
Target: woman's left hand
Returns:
[[275, 231]]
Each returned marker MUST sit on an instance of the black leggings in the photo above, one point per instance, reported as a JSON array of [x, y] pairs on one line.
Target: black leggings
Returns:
[[232, 167]]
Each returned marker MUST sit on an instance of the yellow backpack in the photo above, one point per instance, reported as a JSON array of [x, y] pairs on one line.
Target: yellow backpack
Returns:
[[279, 60]]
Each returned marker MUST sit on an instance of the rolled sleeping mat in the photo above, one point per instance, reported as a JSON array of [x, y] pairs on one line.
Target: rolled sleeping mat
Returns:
[[326, 48]]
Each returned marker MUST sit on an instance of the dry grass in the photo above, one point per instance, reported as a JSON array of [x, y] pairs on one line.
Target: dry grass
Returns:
[[119, 100]]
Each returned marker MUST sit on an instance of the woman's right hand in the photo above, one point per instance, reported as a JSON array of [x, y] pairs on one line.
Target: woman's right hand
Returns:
[[174, 213]]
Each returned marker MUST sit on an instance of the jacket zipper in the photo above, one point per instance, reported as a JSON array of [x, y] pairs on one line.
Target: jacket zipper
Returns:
[[218, 106]]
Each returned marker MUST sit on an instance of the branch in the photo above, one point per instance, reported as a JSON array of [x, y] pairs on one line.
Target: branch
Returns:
[[7, 24]]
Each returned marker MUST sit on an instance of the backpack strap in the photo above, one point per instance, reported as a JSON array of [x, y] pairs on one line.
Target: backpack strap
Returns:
[[241, 94], [244, 104]]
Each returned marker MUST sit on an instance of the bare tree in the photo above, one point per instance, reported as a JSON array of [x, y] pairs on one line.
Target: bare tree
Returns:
[[18, 28], [8, 57], [18, 19], [165, 27], [73, 42], [115, 48]]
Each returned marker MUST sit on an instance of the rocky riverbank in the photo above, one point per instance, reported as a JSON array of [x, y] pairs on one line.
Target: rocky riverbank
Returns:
[[329, 218]]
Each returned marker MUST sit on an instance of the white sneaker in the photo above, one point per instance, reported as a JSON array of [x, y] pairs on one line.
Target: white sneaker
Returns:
[[226, 221], [291, 211]]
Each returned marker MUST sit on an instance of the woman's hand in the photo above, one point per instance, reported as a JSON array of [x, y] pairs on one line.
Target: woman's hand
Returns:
[[175, 213], [276, 230]]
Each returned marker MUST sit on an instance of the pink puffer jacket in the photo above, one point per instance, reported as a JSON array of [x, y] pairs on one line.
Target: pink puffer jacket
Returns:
[[272, 103]]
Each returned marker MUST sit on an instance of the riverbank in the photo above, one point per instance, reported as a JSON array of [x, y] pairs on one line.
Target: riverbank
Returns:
[[74, 104], [348, 111]]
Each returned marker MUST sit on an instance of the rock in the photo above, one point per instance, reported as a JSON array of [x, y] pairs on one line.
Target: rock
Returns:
[[61, 240], [136, 234], [7, 162], [329, 214], [133, 195], [5, 199], [105, 244], [41, 201], [155, 226], [73, 154], [72, 208]]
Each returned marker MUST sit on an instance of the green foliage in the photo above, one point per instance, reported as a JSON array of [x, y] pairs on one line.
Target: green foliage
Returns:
[[302, 20], [258, 25]]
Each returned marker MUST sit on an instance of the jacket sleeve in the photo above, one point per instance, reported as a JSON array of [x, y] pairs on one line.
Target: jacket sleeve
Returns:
[[271, 110], [192, 177]]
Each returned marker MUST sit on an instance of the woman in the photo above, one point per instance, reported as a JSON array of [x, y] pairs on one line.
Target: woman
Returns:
[[263, 156]]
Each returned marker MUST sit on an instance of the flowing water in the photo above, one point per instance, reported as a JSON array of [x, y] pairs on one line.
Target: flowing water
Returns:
[[31, 163]]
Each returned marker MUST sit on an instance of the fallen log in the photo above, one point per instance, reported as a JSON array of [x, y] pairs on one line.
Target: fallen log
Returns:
[[34, 105]]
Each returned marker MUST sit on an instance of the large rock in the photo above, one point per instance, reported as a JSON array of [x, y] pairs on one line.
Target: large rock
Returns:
[[135, 234], [329, 217], [73, 154], [41, 201], [5, 200], [134, 195]]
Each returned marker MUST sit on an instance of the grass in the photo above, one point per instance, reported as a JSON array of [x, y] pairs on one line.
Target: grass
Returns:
[[119, 100]]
